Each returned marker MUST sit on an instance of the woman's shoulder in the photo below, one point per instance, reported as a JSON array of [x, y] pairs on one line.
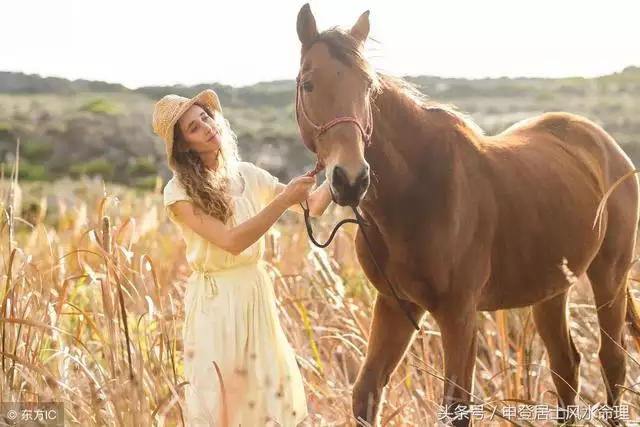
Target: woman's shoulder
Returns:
[[252, 168], [259, 177], [173, 184], [174, 191], [249, 170], [246, 166]]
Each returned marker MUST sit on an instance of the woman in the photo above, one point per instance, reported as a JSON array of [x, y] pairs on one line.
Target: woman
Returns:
[[232, 336]]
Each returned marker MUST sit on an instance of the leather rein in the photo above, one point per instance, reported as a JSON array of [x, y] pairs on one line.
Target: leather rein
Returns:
[[319, 130]]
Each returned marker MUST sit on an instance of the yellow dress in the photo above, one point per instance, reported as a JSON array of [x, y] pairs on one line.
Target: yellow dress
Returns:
[[231, 320]]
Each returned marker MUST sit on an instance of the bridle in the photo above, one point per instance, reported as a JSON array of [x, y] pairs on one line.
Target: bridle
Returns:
[[319, 130]]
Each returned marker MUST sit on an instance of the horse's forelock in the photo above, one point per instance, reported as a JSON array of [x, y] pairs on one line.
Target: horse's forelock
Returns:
[[344, 48]]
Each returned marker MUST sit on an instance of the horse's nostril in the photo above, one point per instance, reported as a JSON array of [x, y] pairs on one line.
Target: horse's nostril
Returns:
[[363, 179]]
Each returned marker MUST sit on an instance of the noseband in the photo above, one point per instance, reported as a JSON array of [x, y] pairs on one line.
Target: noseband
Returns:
[[319, 130]]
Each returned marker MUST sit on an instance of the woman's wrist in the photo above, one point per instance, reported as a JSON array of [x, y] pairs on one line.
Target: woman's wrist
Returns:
[[282, 201]]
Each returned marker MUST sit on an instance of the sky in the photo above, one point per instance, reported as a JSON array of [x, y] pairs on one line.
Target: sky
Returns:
[[242, 42]]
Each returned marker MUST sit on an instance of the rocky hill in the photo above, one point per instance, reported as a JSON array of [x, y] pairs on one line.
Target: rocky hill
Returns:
[[71, 128]]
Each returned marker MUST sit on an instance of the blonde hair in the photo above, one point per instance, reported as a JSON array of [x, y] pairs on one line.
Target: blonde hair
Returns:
[[208, 189]]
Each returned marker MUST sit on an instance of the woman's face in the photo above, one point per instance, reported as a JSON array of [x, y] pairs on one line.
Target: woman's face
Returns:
[[200, 131]]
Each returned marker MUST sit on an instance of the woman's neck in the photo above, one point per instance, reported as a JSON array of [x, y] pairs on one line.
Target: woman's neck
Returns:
[[210, 160]]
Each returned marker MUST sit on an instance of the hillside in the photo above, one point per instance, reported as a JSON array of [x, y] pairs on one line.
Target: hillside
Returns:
[[70, 128]]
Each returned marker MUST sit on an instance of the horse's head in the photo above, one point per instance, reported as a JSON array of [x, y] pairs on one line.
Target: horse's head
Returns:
[[334, 86]]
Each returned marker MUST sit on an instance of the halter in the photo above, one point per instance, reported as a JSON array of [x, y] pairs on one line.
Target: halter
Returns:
[[319, 130], [361, 222]]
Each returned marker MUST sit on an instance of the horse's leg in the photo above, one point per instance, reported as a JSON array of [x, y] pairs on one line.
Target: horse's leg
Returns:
[[389, 337], [456, 321], [550, 317], [609, 281]]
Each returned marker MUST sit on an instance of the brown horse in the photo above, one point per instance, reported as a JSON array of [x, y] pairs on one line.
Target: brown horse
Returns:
[[460, 221]]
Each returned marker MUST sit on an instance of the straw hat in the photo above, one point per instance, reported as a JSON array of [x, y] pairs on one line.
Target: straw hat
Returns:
[[171, 107]]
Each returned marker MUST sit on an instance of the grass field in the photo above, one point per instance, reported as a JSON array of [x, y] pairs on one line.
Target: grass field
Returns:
[[87, 253]]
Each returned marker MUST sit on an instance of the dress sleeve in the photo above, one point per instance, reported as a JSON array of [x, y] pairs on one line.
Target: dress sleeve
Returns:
[[266, 183], [173, 192]]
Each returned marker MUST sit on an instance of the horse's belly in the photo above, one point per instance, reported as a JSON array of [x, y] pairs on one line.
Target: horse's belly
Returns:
[[541, 267], [522, 295]]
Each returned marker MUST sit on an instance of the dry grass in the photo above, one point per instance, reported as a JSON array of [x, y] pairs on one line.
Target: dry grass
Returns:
[[93, 303]]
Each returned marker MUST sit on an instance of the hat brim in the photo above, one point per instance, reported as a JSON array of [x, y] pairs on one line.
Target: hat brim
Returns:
[[207, 98]]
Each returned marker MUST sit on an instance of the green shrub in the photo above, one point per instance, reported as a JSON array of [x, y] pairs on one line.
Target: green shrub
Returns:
[[148, 183], [32, 172], [544, 97], [100, 106], [142, 167], [96, 167], [36, 151], [7, 133]]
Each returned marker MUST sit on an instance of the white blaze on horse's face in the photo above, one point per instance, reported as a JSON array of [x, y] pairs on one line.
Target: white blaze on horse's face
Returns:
[[333, 106]]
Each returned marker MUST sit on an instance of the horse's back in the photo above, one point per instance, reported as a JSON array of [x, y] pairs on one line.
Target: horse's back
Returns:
[[580, 140], [575, 130], [601, 154], [621, 214], [549, 174]]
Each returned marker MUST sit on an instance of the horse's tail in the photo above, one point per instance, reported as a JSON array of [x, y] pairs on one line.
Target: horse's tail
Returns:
[[633, 315]]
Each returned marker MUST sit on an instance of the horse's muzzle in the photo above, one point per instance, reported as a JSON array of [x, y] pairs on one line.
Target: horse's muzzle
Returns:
[[347, 191]]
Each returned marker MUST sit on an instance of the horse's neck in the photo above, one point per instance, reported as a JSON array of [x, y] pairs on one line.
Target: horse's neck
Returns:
[[406, 148]]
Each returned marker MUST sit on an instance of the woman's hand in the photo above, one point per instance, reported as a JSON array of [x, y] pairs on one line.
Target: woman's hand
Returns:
[[298, 189], [318, 200]]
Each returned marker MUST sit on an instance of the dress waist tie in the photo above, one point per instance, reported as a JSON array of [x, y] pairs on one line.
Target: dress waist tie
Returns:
[[209, 277]]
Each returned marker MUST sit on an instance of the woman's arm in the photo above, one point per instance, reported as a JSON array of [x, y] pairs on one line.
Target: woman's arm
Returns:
[[237, 239], [319, 200]]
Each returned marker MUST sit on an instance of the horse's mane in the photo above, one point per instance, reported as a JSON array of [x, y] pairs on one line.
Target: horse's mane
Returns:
[[343, 47]]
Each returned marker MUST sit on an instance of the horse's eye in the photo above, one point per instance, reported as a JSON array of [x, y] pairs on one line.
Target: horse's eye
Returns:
[[307, 86]]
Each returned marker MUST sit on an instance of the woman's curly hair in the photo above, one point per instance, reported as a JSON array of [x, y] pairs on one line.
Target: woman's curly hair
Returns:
[[208, 189]]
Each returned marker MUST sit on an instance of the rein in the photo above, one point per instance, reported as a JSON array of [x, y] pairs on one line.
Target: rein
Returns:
[[361, 222]]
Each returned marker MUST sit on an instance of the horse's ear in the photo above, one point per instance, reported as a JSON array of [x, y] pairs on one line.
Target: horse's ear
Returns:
[[306, 26], [360, 30]]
